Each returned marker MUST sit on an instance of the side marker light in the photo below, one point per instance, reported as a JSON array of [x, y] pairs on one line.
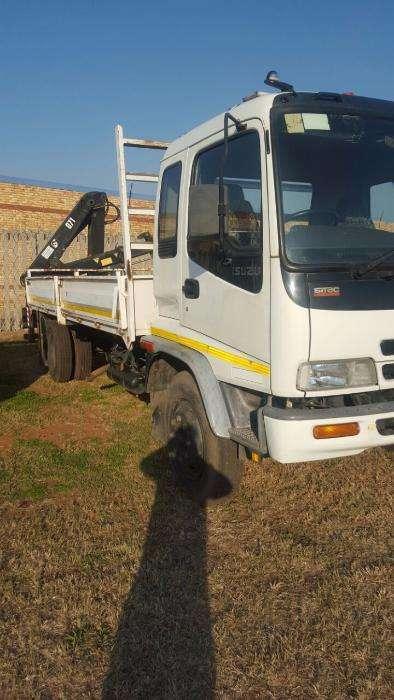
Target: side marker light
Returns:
[[147, 345], [335, 430]]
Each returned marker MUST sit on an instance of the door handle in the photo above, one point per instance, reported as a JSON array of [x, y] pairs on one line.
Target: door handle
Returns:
[[191, 289]]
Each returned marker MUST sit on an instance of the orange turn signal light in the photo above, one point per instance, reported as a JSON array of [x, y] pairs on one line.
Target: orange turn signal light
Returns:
[[335, 430]]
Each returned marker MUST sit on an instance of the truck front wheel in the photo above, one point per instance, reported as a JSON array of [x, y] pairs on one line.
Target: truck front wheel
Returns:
[[206, 466]]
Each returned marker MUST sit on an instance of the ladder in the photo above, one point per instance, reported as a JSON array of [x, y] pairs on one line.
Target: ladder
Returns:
[[123, 177]]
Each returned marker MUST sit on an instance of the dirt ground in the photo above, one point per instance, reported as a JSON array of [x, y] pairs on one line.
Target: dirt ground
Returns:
[[114, 585]]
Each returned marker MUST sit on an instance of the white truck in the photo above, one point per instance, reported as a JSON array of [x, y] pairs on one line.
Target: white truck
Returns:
[[267, 325]]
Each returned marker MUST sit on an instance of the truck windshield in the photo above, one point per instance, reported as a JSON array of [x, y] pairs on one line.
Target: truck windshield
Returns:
[[336, 180]]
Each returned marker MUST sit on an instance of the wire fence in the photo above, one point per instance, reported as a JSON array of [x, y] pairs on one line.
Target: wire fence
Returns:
[[18, 248]]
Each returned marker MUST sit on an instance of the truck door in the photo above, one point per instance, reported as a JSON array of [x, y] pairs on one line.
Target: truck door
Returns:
[[225, 280]]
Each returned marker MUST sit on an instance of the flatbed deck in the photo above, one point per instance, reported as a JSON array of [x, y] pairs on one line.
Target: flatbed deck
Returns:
[[104, 300]]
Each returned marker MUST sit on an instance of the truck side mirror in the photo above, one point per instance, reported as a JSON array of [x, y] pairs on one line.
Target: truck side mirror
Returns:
[[203, 211]]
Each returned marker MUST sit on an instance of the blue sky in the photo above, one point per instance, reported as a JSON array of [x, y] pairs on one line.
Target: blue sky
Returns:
[[71, 70]]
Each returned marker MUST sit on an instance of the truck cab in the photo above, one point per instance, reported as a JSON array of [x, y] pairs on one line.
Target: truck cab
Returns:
[[292, 303]]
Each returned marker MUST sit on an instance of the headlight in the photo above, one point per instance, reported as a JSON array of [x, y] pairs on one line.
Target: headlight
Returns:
[[336, 374]]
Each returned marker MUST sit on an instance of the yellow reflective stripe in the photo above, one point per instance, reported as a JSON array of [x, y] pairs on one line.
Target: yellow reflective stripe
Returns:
[[85, 309], [243, 362], [70, 306], [41, 300]]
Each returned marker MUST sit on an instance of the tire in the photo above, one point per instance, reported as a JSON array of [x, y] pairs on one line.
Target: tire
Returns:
[[60, 351], [161, 373], [43, 339], [82, 356], [206, 467], [159, 405]]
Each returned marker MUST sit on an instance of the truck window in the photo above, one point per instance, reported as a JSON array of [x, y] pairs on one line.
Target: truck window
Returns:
[[168, 211], [239, 260], [382, 205], [346, 161]]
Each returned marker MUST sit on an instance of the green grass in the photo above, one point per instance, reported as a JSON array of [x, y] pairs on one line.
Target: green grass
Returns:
[[88, 394], [22, 401], [113, 584], [36, 468]]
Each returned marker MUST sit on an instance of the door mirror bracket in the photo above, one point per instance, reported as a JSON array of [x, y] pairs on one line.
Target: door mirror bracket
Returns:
[[222, 210]]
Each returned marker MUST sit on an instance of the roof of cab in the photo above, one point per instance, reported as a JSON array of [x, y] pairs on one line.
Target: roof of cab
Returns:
[[257, 105], [260, 103]]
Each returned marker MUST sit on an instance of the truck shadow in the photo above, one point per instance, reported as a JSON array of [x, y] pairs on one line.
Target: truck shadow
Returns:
[[20, 366], [164, 646]]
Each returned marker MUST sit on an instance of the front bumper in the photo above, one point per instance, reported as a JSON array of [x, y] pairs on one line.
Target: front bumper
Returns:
[[289, 432]]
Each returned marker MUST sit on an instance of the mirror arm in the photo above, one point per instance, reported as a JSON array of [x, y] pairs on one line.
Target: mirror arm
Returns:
[[222, 213]]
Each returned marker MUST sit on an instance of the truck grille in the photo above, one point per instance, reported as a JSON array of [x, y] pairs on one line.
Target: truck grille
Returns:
[[388, 371], [387, 347], [385, 426]]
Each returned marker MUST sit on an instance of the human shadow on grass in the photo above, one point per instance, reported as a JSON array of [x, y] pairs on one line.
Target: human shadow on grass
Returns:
[[20, 366], [164, 646]]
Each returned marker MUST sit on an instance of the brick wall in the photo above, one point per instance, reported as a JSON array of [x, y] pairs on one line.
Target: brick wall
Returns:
[[28, 215], [44, 208]]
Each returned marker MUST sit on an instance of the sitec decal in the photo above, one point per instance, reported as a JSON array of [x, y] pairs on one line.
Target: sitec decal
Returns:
[[327, 292]]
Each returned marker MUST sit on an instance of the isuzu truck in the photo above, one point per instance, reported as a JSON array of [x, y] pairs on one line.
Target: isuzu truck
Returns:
[[265, 325]]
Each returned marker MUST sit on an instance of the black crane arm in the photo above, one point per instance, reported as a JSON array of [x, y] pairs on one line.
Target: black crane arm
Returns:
[[89, 211]]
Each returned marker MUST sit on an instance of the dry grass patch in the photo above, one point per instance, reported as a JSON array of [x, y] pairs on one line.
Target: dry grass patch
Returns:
[[113, 584]]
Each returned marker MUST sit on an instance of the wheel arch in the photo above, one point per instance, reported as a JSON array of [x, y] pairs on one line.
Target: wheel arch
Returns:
[[170, 358]]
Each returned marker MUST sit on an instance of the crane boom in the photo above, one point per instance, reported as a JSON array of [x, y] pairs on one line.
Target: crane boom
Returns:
[[89, 211]]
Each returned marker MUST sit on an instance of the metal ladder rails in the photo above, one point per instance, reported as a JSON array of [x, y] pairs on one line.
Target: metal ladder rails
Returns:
[[123, 177]]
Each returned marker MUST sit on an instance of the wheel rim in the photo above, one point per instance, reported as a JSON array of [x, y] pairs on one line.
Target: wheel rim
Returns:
[[186, 444]]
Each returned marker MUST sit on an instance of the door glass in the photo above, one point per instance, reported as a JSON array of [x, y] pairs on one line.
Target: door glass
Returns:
[[168, 211], [238, 259]]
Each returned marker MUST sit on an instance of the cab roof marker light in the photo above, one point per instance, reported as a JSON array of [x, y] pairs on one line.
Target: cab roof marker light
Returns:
[[272, 80]]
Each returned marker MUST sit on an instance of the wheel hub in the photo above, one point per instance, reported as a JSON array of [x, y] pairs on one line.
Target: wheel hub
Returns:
[[186, 445]]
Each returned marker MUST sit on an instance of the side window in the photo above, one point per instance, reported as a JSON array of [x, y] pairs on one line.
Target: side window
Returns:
[[238, 257], [168, 211]]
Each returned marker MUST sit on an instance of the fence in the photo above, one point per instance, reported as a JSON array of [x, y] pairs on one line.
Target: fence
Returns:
[[18, 248]]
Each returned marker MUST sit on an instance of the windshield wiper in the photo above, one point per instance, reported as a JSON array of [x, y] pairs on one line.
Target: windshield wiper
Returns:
[[375, 262]]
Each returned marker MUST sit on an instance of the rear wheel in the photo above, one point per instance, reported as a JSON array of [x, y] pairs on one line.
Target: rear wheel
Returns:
[[43, 339], [60, 351], [82, 356], [206, 466]]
